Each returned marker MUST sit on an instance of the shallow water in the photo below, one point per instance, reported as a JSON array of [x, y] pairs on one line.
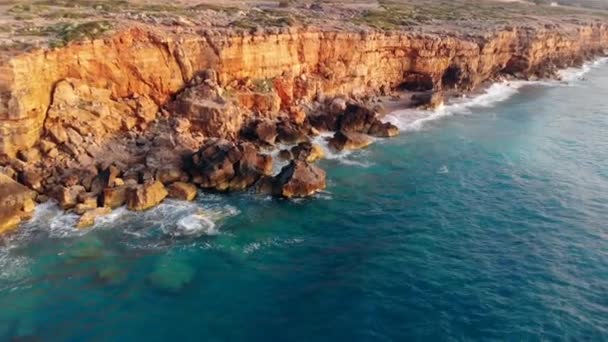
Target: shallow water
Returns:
[[484, 220]]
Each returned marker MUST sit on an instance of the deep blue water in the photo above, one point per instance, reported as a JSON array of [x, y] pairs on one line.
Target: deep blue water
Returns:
[[488, 223]]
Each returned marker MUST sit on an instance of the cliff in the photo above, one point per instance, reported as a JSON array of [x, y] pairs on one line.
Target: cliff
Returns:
[[126, 77]]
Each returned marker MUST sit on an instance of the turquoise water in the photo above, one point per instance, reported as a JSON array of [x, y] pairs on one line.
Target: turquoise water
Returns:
[[485, 220]]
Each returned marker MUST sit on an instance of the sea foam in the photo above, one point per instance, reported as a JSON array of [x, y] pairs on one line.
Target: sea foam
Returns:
[[415, 119]]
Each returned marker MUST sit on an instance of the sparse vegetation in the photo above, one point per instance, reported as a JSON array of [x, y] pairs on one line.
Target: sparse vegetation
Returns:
[[266, 18], [63, 33], [395, 14]]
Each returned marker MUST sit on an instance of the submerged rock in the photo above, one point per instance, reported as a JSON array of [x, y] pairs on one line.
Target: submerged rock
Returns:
[[171, 275], [111, 274], [88, 247]]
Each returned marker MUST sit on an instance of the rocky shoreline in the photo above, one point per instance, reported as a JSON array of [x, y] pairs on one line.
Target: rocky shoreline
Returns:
[[101, 147]]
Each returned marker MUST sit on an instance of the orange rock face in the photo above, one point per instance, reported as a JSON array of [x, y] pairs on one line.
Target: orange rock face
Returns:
[[132, 73]]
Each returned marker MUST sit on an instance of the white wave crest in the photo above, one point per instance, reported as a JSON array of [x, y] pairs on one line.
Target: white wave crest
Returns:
[[577, 74], [415, 119]]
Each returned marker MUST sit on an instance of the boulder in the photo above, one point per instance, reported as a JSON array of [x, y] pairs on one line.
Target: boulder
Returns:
[[87, 201], [67, 196], [182, 191], [32, 178], [146, 196], [16, 203], [383, 130], [290, 133], [223, 165], [266, 131], [427, 100], [169, 174], [31, 155], [325, 122], [298, 179], [207, 111], [114, 197], [357, 118], [89, 217], [308, 152], [251, 166], [349, 141]]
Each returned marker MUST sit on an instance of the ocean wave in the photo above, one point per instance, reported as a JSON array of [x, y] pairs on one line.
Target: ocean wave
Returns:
[[575, 74], [346, 157], [415, 119]]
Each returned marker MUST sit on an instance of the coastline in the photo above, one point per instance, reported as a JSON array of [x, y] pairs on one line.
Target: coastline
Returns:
[[106, 147], [202, 218]]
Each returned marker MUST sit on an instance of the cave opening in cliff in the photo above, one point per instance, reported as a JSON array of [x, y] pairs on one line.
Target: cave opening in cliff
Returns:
[[451, 77], [417, 82]]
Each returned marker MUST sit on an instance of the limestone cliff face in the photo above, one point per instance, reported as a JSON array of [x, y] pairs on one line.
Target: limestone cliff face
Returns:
[[141, 67]]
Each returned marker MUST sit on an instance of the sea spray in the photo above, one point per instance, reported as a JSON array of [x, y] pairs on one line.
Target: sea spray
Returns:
[[415, 119]]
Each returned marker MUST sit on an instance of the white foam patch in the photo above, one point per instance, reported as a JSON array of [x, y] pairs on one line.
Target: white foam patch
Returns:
[[196, 224], [577, 74], [354, 158], [256, 246], [415, 119]]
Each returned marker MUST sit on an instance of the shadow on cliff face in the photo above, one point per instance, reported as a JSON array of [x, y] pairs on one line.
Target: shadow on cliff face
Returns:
[[417, 82]]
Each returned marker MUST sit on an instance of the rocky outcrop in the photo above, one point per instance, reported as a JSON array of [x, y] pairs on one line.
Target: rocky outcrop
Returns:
[[223, 165], [298, 179], [349, 141], [428, 100], [139, 69], [307, 152], [16, 203], [110, 122], [182, 191], [146, 196]]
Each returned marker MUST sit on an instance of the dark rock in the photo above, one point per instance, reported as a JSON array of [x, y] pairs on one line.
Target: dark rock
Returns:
[[428, 100], [222, 165], [285, 155], [357, 118], [182, 191], [307, 151], [290, 133], [349, 141], [266, 131], [299, 179], [32, 178], [383, 130]]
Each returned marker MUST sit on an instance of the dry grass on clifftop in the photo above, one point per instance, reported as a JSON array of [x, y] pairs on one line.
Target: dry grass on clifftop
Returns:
[[26, 23]]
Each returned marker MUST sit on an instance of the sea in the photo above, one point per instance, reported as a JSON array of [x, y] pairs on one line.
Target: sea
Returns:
[[486, 219]]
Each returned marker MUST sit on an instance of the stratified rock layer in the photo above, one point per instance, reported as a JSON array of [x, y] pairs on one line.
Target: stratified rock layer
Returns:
[[137, 70]]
